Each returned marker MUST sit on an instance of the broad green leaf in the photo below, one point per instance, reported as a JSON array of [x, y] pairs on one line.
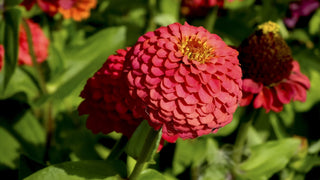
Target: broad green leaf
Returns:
[[9, 3], [20, 82], [27, 166], [169, 12], [193, 153], [314, 147], [314, 24], [84, 60], [80, 170], [268, 158], [9, 149], [12, 18], [151, 174], [139, 138]]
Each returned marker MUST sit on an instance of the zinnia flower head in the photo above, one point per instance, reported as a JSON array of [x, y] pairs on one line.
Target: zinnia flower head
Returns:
[[271, 77], [187, 79], [106, 99], [75, 9], [40, 44]]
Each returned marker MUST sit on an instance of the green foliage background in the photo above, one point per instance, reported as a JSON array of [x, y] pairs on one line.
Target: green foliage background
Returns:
[[282, 146]]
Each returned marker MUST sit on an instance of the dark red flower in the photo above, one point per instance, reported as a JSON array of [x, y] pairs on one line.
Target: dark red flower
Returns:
[[106, 100], [187, 79], [271, 78], [198, 7]]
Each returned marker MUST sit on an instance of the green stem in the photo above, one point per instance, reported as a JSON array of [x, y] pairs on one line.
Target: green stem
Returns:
[[146, 153], [211, 19], [35, 63], [242, 135], [49, 120], [118, 148], [152, 6]]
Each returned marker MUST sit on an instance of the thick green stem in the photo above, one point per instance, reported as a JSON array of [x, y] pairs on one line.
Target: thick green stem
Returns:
[[152, 6], [241, 138], [146, 153], [35, 63], [211, 19], [118, 148], [49, 120]]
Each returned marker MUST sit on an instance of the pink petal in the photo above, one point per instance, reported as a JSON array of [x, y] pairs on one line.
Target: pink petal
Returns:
[[248, 85]]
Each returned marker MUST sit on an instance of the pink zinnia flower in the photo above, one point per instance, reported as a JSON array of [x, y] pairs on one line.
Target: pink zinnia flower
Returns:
[[187, 79], [107, 101], [40, 44], [271, 78]]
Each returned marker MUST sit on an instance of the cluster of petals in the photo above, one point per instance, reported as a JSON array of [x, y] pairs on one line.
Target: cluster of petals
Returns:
[[75, 9], [40, 45], [271, 77], [106, 99], [187, 79]]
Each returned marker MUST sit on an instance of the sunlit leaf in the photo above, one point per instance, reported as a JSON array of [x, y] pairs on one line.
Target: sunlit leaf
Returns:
[[268, 158], [314, 24], [80, 170]]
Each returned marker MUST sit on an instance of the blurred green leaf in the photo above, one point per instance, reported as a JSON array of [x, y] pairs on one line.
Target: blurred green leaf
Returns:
[[27, 166], [237, 4], [306, 164], [314, 24], [314, 147], [84, 60], [151, 174], [80, 170], [9, 149], [268, 158], [10, 3], [138, 139], [12, 19], [169, 12]]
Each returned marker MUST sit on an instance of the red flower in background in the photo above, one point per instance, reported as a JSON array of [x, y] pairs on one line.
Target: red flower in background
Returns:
[[271, 78], [199, 7], [187, 80], [75, 9], [1, 56], [106, 100], [40, 44]]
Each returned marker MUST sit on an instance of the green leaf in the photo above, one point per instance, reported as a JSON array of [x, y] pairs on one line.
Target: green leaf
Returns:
[[314, 147], [268, 158], [151, 174], [138, 139], [193, 153], [314, 23], [27, 166], [9, 3], [81, 170], [84, 60], [306, 164], [9, 149], [237, 4], [11, 42]]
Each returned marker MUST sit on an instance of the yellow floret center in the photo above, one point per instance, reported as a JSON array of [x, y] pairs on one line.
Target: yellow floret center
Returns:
[[196, 49], [269, 27]]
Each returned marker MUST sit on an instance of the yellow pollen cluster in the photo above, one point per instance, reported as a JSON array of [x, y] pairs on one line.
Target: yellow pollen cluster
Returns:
[[269, 27], [196, 49]]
